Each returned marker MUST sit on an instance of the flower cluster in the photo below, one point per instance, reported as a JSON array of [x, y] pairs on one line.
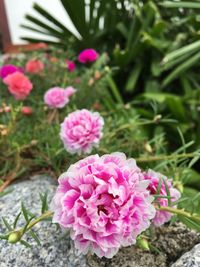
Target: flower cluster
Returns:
[[105, 202], [81, 131], [57, 97]]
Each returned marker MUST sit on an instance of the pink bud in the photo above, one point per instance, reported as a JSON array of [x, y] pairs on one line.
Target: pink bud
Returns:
[[26, 110]]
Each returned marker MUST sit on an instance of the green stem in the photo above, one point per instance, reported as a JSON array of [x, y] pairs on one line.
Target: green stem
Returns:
[[129, 126], [168, 157], [21, 231], [44, 216], [179, 212]]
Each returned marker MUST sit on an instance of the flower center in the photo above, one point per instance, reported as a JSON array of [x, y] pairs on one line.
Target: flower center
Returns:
[[101, 208]]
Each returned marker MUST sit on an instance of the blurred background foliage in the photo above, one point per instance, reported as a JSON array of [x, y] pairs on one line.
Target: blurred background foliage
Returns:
[[153, 49]]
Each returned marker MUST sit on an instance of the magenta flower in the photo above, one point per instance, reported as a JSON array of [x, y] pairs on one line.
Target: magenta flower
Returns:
[[88, 55], [57, 97], [154, 178], [105, 202], [18, 85], [9, 69], [70, 65], [81, 131]]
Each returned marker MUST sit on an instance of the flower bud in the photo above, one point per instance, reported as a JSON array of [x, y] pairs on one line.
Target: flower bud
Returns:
[[14, 237], [97, 75], [26, 110], [148, 148], [157, 118], [91, 82], [143, 243]]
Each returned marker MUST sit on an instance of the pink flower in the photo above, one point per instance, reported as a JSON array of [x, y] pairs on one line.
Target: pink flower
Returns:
[[70, 65], [69, 91], [26, 110], [88, 55], [8, 69], [154, 178], [105, 202], [81, 131], [57, 97], [34, 66], [18, 85]]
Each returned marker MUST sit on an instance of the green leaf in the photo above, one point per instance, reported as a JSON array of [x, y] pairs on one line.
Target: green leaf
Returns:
[[180, 4], [176, 107], [16, 220], [25, 243], [133, 77], [192, 178], [191, 223], [7, 225], [115, 90], [35, 237], [76, 11], [25, 212], [193, 47], [43, 198], [180, 69]]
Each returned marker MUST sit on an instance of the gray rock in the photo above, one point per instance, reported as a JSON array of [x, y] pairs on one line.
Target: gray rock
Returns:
[[189, 259], [130, 257], [56, 250], [175, 240]]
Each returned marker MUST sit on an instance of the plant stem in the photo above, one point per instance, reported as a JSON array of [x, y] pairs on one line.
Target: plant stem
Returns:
[[21, 231], [44, 216], [129, 126], [163, 157], [179, 212]]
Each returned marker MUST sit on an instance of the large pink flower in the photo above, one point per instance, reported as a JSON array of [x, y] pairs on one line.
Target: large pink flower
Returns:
[[34, 66], [57, 97], [18, 85], [81, 130], [88, 55], [155, 179], [105, 202]]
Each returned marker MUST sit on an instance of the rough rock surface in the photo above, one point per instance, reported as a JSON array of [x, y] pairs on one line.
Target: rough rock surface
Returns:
[[172, 241], [56, 250], [189, 259]]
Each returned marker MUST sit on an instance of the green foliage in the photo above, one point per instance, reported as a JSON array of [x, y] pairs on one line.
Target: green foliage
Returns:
[[153, 49]]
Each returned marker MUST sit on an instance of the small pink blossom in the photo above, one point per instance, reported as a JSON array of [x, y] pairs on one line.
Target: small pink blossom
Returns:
[[88, 55], [57, 97], [18, 85], [7, 109], [70, 91], [154, 178], [105, 202], [34, 66], [81, 131], [26, 110], [70, 65]]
